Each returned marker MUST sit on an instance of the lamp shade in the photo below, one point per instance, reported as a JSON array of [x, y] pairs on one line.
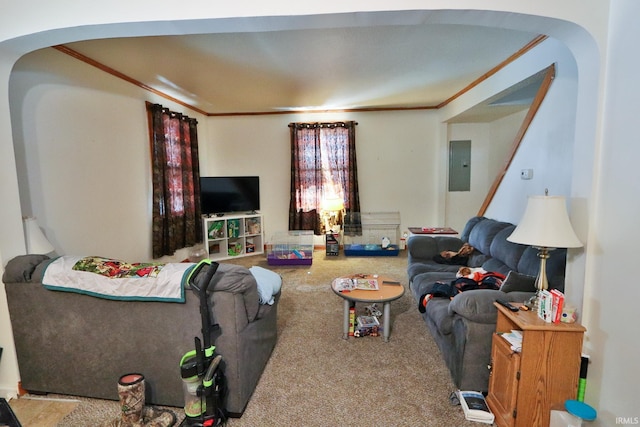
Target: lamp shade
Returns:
[[37, 243], [333, 204], [546, 224]]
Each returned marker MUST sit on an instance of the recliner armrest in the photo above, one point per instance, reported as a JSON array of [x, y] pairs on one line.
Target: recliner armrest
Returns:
[[236, 279], [21, 268], [476, 305]]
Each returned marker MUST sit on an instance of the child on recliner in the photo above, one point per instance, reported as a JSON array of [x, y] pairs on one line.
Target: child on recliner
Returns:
[[466, 279]]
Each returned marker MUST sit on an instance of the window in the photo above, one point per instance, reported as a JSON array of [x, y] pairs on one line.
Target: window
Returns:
[[323, 166]]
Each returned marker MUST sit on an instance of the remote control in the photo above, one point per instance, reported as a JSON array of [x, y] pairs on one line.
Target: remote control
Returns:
[[507, 304], [389, 282]]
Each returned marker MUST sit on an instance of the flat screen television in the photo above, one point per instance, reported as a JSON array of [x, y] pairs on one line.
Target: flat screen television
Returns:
[[220, 194]]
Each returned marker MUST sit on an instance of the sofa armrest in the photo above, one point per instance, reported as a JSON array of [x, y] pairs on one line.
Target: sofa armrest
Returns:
[[21, 268], [236, 279], [476, 305]]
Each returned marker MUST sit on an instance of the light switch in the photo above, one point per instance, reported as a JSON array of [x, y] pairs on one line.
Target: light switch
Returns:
[[526, 174]]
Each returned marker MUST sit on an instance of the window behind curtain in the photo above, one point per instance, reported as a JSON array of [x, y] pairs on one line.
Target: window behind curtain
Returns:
[[176, 181], [323, 164]]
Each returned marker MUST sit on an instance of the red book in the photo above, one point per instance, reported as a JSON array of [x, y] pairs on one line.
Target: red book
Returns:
[[558, 304]]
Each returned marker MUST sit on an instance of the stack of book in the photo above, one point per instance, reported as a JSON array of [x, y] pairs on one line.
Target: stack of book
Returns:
[[550, 305], [514, 338]]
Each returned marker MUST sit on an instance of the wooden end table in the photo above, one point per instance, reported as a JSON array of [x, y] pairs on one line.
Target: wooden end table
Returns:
[[386, 293]]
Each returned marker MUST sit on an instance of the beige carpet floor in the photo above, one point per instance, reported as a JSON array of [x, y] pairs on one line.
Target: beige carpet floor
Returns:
[[316, 378]]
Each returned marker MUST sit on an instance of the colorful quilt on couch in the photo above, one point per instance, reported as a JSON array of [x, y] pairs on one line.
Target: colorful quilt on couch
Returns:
[[116, 279]]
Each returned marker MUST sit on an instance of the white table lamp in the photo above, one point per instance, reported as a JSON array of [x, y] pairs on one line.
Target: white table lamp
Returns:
[[331, 206], [545, 226], [37, 242]]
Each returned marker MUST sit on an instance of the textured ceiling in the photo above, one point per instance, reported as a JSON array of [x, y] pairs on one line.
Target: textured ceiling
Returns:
[[387, 66]]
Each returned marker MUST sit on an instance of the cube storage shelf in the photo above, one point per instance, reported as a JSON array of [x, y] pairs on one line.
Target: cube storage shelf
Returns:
[[291, 248], [233, 235], [375, 226]]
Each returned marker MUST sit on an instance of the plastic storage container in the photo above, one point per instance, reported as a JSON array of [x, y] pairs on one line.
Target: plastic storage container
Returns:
[[564, 419], [573, 415], [378, 229], [291, 248]]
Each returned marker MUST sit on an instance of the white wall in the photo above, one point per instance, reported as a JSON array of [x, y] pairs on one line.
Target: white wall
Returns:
[[397, 170], [548, 144], [490, 144], [611, 302], [82, 150], [89, 181], [83, 158]]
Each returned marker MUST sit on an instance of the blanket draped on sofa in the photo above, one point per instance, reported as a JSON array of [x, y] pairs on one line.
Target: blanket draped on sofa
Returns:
[[118, 280]]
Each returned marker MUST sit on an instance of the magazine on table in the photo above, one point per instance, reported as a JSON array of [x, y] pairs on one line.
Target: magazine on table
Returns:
[[475, 406], [366, 284], [343, 284]]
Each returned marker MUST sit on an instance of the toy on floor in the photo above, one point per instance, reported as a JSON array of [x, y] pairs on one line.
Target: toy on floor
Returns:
[[372, 310]]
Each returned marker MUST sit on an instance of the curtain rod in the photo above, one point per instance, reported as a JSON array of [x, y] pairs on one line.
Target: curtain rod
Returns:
[[177, 114], [315, 125]]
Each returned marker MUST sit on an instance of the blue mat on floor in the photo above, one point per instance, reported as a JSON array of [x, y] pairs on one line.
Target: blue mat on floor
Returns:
[[370, 250]]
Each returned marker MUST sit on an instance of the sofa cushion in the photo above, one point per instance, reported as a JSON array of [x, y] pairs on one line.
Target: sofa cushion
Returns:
[[529, 264], [430, 267], [507, 252], [496, 266], [469, 226], [426, 247], [483, 233], [422, 250], [21, 268], [517, 282], [476, 259]]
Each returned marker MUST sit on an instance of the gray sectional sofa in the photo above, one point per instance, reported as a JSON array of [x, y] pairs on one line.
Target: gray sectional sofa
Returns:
[[80, 345], [462, 327]]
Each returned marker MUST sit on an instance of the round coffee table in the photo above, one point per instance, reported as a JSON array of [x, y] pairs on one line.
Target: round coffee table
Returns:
[[389, 290]]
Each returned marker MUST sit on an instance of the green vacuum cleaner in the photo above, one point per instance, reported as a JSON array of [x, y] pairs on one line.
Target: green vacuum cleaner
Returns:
[[203, 379]]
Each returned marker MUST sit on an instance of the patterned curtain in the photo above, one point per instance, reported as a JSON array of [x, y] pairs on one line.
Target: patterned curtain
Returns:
[[176, 181], [323, 164]]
